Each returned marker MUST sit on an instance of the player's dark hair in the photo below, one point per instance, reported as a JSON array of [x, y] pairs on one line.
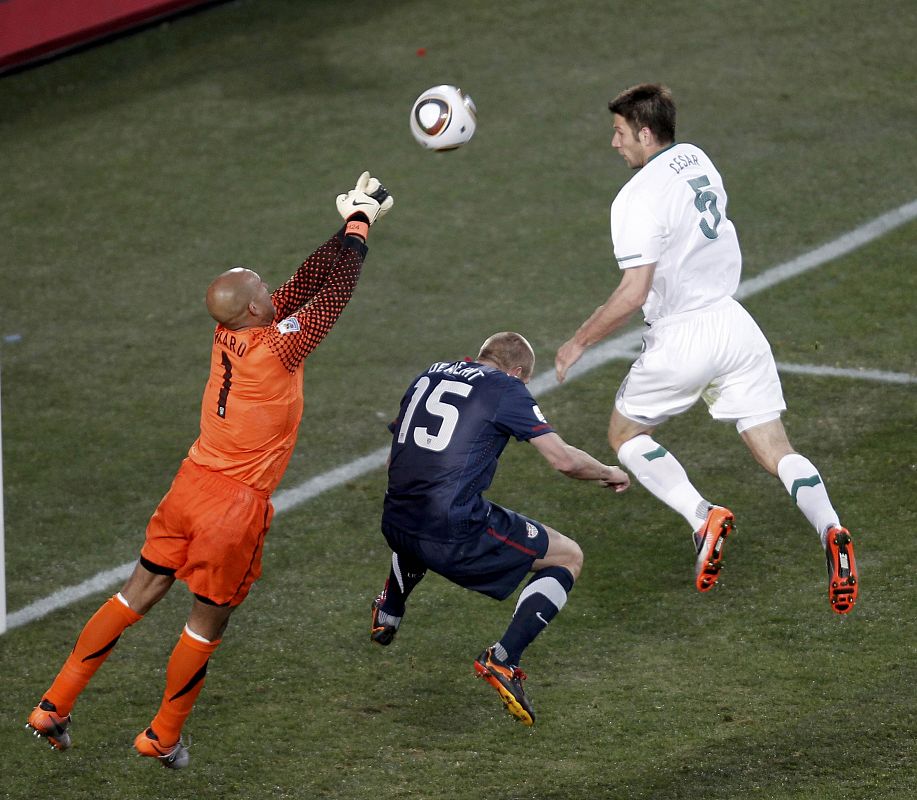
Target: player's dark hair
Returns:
[[647, 105], [509, 350]]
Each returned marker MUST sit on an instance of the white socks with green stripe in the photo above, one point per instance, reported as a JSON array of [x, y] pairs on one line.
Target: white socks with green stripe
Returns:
[[661, 474], [807, 489]]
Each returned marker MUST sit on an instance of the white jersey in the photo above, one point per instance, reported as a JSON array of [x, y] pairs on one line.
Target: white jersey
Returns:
[[673, 213]]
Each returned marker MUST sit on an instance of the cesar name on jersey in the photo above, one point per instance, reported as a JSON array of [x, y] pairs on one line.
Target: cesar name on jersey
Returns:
[[682, 161]]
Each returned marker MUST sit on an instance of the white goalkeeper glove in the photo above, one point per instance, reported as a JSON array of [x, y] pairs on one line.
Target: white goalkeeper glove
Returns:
[[368, 197]]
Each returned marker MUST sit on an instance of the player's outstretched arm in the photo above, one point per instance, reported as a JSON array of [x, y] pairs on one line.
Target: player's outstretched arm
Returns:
[[576, 463], [359, 207], [303, 285], [295, 338], [627, 298]]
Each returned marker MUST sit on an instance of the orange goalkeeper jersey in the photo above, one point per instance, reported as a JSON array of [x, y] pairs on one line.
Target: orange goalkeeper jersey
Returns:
[[253, 400]]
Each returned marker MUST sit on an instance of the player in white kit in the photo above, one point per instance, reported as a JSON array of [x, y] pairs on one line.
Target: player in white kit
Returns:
[[681, 262]]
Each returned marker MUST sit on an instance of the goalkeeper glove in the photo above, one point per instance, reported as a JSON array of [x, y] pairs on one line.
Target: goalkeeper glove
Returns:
[[368, 198]]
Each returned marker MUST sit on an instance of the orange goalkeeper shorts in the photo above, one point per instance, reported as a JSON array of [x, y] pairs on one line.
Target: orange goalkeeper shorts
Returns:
[[210, 529]]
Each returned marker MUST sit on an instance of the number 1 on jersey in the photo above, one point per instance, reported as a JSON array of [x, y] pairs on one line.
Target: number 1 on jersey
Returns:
[[227, 385]]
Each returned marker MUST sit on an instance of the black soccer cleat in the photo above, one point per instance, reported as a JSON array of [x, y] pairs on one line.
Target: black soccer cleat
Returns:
[[381, 633]]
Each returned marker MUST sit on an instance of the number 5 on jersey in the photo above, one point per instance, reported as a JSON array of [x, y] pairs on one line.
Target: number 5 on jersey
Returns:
[[435, 406], [703, 202]]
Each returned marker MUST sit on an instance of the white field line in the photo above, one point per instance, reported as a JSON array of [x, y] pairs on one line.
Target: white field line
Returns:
[[621, 346], [877, 375]]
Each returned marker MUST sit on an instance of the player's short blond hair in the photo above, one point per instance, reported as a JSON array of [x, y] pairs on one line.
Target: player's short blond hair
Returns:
[[509, 350]]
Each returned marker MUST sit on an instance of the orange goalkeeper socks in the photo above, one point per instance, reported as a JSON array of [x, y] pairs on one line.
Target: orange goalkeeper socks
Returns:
[[97, 639], [184, 681]]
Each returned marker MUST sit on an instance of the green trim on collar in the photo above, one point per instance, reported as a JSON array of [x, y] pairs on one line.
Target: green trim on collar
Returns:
[[661, 152]]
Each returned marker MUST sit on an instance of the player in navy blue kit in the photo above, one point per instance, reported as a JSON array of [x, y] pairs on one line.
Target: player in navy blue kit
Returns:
[[455, 420]]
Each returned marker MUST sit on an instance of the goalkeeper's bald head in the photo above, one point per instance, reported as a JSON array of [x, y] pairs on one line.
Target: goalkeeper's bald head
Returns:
[[239, 299]]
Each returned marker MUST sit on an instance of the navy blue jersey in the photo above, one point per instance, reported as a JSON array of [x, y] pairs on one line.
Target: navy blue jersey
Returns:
[[455, 420]]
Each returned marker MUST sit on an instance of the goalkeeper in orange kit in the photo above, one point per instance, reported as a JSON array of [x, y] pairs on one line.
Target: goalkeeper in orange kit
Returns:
[[209, 529]]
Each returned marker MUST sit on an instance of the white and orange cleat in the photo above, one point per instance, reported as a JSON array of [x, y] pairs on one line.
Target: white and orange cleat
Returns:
[[708, 544], [45, 722], [843, 580], [174, 756]]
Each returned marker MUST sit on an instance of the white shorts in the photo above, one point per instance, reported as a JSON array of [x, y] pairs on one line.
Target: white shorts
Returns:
[[718, 353]]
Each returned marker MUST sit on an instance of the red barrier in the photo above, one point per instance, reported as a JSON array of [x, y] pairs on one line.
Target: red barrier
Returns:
[[35, 29]]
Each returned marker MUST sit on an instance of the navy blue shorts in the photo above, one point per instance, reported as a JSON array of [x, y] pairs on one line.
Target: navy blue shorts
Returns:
[[492, 563]]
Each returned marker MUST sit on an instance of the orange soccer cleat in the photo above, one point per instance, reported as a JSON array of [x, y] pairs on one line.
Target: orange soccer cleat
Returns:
[[708, 543], [843, 580], [174, 757], [507, 680], [45, 722]]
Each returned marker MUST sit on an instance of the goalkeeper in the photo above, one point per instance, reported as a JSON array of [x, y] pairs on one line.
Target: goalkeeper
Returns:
[[209, 529]]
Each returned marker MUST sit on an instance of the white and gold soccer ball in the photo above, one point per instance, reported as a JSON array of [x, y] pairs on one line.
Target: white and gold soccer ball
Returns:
[[443, 118]]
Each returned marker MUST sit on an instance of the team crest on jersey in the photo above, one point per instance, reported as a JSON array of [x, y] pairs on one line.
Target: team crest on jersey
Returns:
[[531, 530], [537, 412], [289, 325]]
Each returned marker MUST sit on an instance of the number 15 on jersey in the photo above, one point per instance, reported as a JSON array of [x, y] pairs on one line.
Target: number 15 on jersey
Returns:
[[437, 407]]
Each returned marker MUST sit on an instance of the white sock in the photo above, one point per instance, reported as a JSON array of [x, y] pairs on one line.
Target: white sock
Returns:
[[661, 474], [805, 486], [387, 619]]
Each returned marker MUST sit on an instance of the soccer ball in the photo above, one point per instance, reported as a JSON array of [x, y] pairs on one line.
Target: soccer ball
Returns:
[[443, 118]]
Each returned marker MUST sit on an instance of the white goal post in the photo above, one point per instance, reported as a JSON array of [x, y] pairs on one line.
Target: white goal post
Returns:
[[2, 537]]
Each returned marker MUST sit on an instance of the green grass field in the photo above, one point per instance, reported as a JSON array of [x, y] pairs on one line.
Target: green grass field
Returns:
[[134, 172]]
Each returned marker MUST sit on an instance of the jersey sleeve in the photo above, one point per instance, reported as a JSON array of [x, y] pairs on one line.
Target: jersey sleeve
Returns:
[[518, 414], [308, 279], [298, 334], [636, 234]]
